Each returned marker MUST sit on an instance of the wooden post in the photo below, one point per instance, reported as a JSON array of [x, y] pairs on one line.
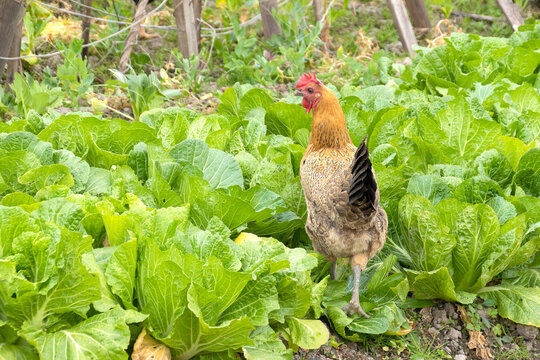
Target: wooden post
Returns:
[[197, 9], [270, 25], [186, 27], [11, 19], [131, 38], [418, 13], [86, 27], [512, 13], [402, 24], [318, 9], [14, 66]]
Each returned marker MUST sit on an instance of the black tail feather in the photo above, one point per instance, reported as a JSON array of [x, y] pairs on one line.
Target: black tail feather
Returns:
[[363, 186]]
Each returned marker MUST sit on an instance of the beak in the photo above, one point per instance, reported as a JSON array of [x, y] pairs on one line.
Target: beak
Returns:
[[298, 93]]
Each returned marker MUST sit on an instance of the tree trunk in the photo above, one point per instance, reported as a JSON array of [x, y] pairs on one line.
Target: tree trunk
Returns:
[[131, 38], [11, 20], [270, 25], [187, 27], [418, 13], [86, 28]]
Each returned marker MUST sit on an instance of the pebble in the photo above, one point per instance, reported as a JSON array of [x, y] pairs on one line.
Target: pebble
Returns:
[[432, 331], [426, 315], [451, 310], [454, 334], [527, 331], [482, 313], [460, 357], [439, 318]]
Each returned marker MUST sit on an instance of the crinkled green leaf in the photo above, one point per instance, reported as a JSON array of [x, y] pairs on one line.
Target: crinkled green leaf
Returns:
[[120, 272], [218, 168], [102, 336], [38, 178], [286, 119], [517, 303], [307, 334]]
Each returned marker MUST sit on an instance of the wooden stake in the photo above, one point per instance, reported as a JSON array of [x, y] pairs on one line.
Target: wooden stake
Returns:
[[186, 26], [14, 66], [418, 13], [197, 9], [132, 37], [402, 24], [318, 9], [11, 18], [86, 27], [270, 25], [512, 13]]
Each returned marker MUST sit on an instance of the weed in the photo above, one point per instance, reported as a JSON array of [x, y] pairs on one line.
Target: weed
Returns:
[[520, 353], [420, 348], [73, 73], [144, 91]]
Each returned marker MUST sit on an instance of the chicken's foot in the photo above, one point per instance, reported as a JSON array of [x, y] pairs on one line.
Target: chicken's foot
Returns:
[[333, 271], [354, 306]]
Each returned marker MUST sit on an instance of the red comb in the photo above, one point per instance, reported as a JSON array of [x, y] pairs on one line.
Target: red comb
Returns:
[[306, 79]]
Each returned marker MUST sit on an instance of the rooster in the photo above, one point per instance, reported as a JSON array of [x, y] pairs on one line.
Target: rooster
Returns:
[[344, 217]]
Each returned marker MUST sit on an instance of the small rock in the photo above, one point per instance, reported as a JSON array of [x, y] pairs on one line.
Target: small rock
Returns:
[[432, 331], [446, 349], [439, 318], [93, 59], [482, 313], [460, 357], [450, 310], [509, 324], [426, 315], [454, 345], [529, 345], [454, 334], [62, 110], [527, 331]]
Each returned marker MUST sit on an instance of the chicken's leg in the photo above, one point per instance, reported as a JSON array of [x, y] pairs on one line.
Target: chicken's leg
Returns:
[[333, 271], [358, 264]]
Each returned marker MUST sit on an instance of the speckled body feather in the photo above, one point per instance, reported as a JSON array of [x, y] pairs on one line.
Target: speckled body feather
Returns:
[[344, 217]]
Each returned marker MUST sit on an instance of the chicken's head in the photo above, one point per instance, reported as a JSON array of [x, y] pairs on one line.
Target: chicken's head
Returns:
[[309, 87]]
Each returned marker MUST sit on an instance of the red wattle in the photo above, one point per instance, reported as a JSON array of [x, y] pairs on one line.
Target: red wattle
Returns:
[[306, 104]]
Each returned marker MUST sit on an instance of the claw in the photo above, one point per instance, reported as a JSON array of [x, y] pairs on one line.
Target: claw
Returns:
[[354, 308]]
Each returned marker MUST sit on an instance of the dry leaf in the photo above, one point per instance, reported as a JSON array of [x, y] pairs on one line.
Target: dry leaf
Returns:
[[60, 28], [478, 341], [476, 338], [146, 348], [442, 29]]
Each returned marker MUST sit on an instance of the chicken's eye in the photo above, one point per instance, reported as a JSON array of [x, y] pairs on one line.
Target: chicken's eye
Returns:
[[310, 90]]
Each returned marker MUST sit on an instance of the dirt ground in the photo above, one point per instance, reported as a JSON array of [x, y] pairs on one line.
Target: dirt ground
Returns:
[[439, 332]]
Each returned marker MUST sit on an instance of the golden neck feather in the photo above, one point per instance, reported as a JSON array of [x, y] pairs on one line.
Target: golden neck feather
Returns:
[[329, 129]]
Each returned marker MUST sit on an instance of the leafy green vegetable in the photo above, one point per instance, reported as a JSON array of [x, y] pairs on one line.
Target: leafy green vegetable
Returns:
[[107, 226]]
